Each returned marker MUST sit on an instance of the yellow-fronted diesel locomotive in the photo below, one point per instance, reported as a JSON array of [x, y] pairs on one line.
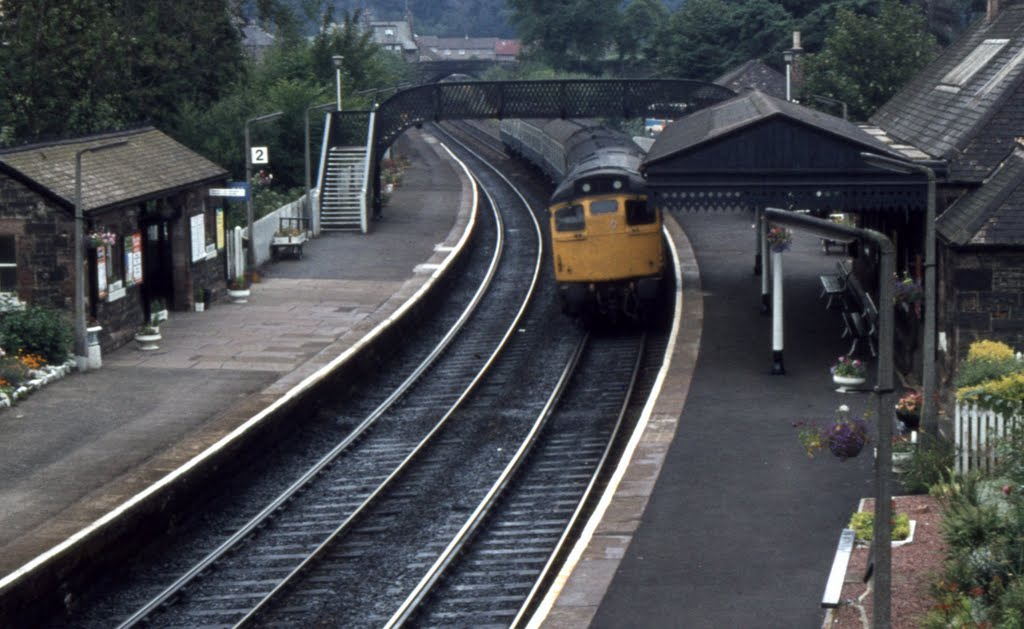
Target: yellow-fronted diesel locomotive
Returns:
[[606, 240]]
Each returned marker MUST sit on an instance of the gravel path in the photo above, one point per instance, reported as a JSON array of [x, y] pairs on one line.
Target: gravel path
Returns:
[[915, 566]]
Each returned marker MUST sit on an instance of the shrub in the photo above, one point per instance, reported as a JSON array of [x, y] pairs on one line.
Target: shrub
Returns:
[[863, 524], [991, 351], [13, 372], [931, 465], [36, 330], [967, 524], [1011, 604]]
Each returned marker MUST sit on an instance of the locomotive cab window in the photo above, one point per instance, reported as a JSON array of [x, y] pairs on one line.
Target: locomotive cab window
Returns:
[[569, 218], [639, 213], [604, 207]]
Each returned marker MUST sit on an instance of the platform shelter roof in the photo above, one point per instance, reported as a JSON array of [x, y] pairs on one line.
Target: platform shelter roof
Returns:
[[755, 150]]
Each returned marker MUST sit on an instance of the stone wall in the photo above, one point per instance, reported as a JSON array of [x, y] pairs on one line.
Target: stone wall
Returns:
[[43, 237], [981, 296]]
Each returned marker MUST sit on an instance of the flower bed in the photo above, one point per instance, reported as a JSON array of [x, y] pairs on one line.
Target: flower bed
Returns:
[[38, 378]]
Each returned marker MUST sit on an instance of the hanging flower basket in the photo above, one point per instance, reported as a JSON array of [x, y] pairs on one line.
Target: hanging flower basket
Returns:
[[100, 239], [847, 437], [779, 239]]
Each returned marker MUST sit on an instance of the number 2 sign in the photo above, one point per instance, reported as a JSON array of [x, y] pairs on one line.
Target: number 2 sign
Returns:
[[260, 155]]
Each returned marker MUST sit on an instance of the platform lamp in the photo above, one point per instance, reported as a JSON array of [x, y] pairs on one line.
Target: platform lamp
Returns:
[[250, 257], [309, 184], [81, 358], [790, 56], [928, 421], [337, 76]]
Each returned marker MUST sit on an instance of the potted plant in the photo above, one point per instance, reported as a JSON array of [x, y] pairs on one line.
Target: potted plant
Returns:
[[159, 309], [148, 336], [847, 372], [200, 299], [908, 410], [903, 449], [779, 239], [238, 290], [845, 436]]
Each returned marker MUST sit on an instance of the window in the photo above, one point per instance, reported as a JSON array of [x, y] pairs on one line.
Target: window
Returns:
[[639, 213], [979, 57], [569, 218], [609, 206], [8, 265]]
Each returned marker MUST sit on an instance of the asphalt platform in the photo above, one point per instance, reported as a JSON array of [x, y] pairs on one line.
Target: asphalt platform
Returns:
[[717, 519]]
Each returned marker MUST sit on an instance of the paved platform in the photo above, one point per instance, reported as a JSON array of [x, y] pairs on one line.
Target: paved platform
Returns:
[[718, 520], [76, 449]]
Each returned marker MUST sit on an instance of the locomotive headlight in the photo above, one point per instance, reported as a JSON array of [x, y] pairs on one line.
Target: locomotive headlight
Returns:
[[585, 187], [617, 184]]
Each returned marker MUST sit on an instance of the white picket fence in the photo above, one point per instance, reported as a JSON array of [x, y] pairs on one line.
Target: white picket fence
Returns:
[[977, 431]]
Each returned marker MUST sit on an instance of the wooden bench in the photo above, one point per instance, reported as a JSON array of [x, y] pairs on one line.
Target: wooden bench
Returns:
[[833, 286], [836, 576], [860, 318]]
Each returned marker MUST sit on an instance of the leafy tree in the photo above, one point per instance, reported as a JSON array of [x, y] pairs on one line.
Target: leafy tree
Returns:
[[708, 37], [567, 34], [634, 32], [866, 60], [79, 66]]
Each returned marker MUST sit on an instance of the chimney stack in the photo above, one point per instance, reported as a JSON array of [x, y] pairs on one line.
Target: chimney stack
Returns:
[[993, 9]]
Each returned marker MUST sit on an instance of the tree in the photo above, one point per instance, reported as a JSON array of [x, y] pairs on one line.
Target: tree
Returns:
[[865, 60], [639, 20], [80, 66], [567, 34], [708, 37]]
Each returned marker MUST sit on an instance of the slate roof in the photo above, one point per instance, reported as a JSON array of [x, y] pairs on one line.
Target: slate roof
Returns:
[[395, 32], [749, 108], [968, 104], [150, 165], [993, 214], [754, 74]]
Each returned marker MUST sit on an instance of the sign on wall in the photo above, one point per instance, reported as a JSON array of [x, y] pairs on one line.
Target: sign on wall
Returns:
[[198, 230], [220, 228], [134, 262], [101, 271]]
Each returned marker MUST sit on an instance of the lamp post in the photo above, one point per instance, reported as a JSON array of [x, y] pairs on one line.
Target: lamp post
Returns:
[[337, 76], [309, 185], [928, 421], [250, 257], [789, 56], [81, 359]]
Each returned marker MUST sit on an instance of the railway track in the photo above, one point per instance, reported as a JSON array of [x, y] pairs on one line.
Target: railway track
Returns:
[[401, 471], [391, 448]]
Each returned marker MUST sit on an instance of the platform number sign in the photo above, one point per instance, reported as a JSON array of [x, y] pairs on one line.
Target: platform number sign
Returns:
[[260, 155]]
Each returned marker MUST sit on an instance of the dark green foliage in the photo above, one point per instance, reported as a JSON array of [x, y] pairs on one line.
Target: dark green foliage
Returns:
[[12, 372], [974, 372], [37, 330], [81, 66], [931, 464], [866, 60]]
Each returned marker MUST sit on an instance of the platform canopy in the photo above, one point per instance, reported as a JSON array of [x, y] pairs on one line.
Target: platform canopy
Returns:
[[754, 151]]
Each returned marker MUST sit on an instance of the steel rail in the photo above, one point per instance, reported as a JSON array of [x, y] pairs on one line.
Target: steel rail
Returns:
[[476, 519], [555, 557], [414, 454], [257, 520]]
